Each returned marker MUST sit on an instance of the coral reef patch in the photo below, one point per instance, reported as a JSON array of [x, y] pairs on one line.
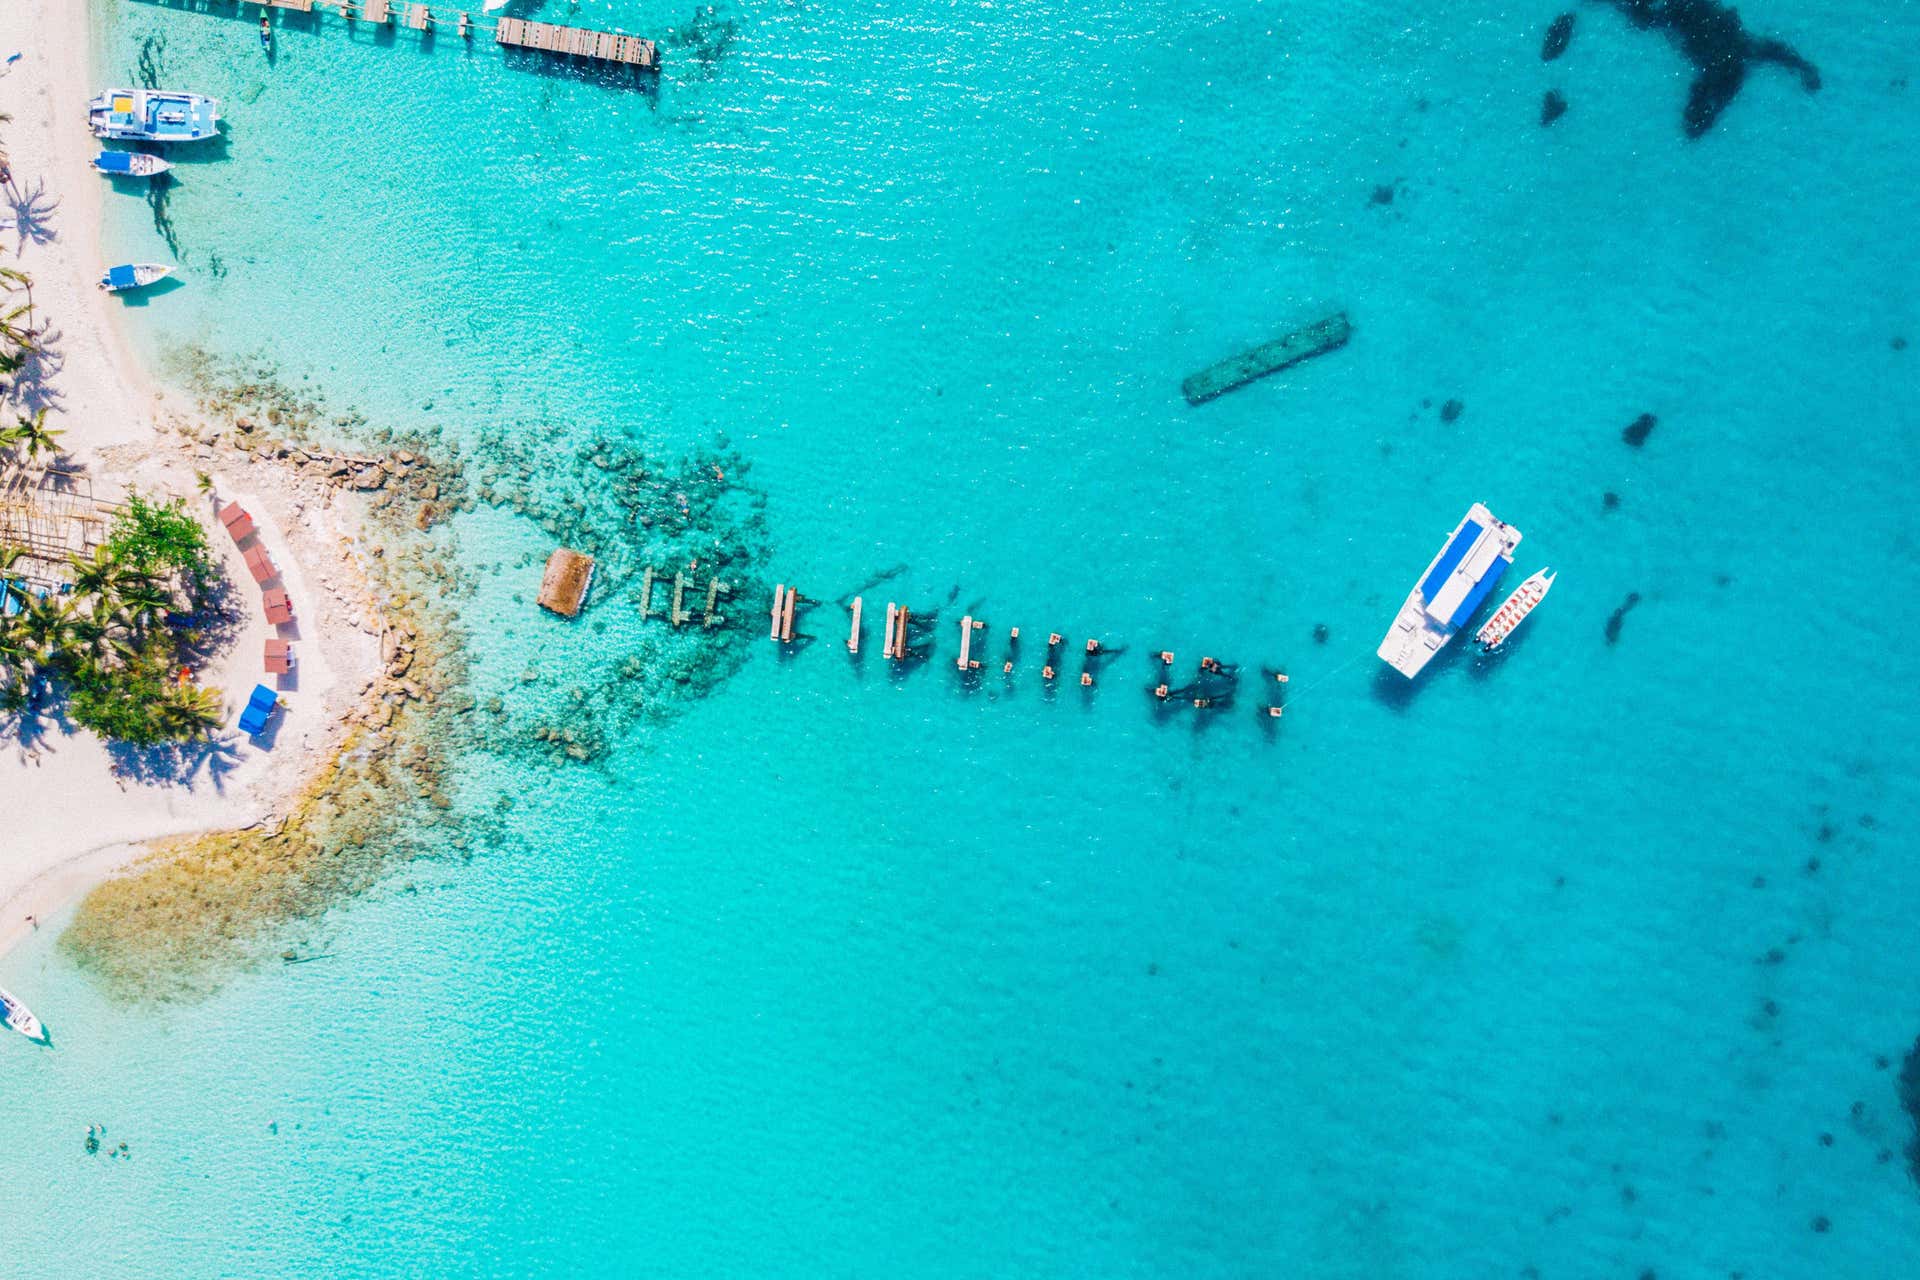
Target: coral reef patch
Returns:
[[1559, 36], [1712, 37]]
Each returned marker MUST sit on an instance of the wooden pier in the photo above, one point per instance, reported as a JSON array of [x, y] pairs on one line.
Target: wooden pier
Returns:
[[610, 48], [576, 42]]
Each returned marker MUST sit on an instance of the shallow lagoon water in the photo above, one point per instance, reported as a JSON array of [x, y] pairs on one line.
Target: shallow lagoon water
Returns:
[[838, 973]]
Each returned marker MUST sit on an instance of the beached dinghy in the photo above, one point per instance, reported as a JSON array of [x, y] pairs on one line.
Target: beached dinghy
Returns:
[[130, 164], [17, 1016], [134, 275], [154, 115]]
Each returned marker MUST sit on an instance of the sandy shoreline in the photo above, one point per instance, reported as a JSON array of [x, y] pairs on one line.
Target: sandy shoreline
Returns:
[[73, 816]]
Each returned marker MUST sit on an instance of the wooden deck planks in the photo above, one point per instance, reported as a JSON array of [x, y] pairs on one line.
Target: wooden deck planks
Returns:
[[575, 42]]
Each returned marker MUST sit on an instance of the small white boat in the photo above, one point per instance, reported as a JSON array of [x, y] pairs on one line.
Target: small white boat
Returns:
[[17, 1016], [130, 164], [1514, 610], [134, 275]]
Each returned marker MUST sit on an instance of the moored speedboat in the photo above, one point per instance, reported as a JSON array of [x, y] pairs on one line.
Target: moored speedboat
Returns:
[[18, 1017], [1514, 610], [130, 164], [154, 115], [134, 275], [1459, 579]]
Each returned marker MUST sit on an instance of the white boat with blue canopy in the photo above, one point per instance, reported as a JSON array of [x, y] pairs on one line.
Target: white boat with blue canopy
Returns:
[[17, 1017], [153, 115], [134, 275], [130, 164], [1470, 564]]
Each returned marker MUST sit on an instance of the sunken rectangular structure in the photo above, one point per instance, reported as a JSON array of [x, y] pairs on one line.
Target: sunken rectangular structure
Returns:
[[1316, 339], [564, 588]]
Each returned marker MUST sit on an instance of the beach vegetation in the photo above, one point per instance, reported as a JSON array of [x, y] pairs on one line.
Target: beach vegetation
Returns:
[[116, 641], [30, 435]]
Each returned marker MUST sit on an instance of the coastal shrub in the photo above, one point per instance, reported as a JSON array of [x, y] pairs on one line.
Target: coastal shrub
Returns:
[[137, 700], [151, 537]]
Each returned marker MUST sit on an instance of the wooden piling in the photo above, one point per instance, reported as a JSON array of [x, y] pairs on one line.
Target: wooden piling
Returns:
[[886, 638], [779, 598], [646, 592], [786, 616], [679, 615], [966, 642], [900, 636], [853, 636]]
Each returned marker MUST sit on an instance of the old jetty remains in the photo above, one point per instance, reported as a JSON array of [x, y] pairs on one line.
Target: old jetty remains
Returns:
[[607, 48], [785, 598], [677, 613], [1269, 357], [564, 588]]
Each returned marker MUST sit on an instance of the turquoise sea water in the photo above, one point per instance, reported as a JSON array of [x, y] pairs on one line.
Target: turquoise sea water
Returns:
[[842, 975]]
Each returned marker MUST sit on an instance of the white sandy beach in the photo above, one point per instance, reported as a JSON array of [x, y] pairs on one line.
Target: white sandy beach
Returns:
[[72, 817]]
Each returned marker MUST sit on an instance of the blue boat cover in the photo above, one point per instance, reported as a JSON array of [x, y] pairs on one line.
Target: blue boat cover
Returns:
[[114, 162], [1450, 558], [120, 277], [1479, 593]]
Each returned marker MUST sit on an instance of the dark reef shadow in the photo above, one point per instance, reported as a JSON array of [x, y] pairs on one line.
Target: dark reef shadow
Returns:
[[1711, 36]]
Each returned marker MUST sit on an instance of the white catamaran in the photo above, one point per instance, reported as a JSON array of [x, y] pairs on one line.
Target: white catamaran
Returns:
[[1514, 610], [1470, 563]]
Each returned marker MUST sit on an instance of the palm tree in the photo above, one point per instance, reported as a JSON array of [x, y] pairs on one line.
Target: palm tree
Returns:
[[187, 711], [102, 575], [36, 435], [47, 624], [136, 603]]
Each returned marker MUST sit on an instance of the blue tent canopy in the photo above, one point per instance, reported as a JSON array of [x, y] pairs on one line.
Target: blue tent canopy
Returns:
[[114, 162]]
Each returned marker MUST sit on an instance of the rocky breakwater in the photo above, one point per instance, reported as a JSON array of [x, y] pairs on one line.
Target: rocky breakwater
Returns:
[[196, 908]]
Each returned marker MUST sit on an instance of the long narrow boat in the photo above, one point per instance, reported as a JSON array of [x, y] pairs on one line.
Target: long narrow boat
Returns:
[[1514, 610], [130, 164], [134, 275], [18, 1017]]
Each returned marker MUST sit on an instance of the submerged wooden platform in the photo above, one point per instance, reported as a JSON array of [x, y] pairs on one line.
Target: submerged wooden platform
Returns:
[[563, 589], [1269, 357]]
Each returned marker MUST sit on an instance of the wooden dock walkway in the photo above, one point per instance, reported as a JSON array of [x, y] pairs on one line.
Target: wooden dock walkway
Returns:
[[612, 48], [577, 42]]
